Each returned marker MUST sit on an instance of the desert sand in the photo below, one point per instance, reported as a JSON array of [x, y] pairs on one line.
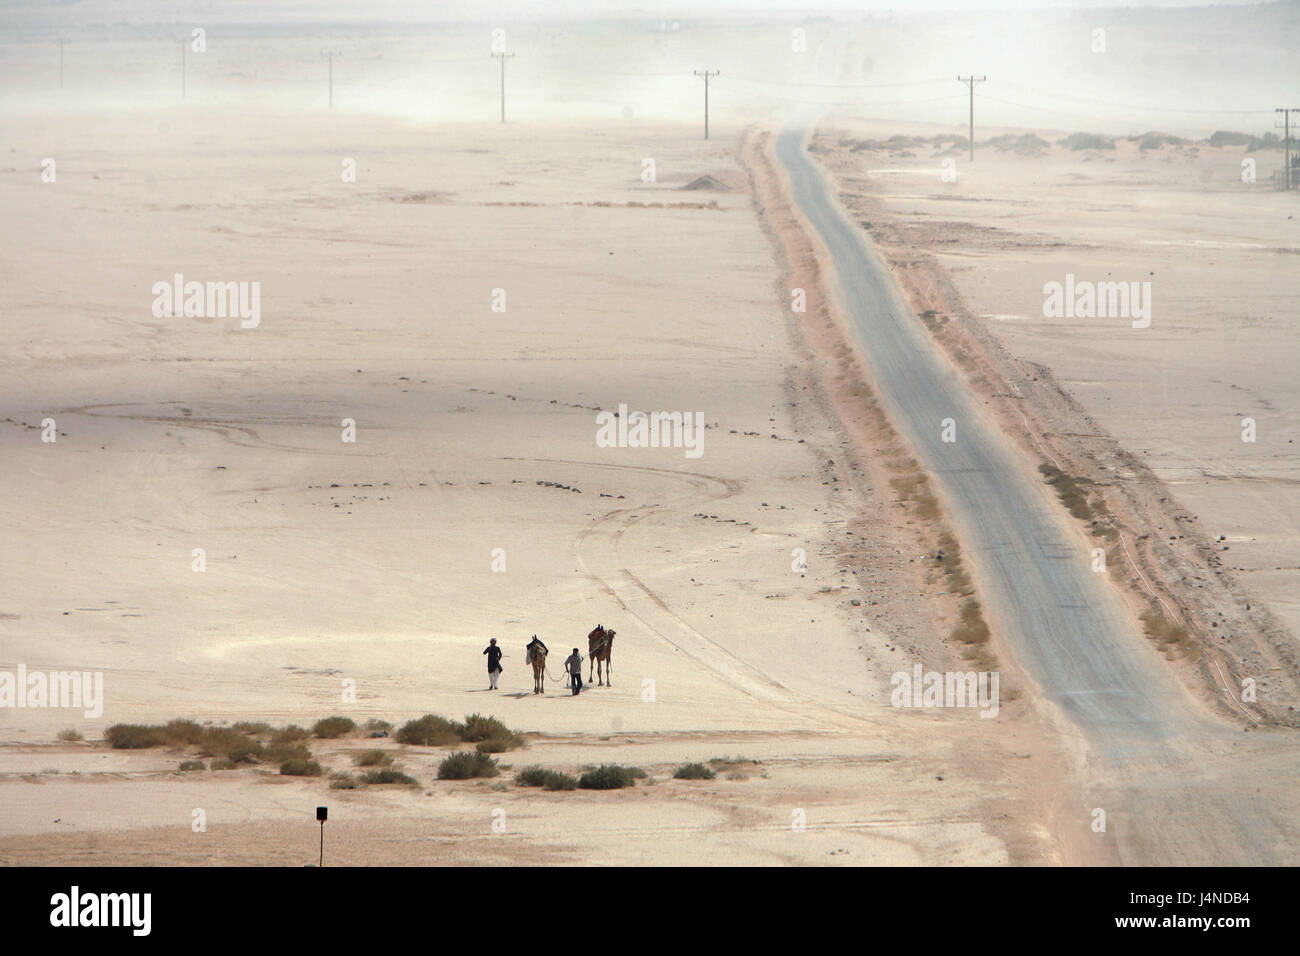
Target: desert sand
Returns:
[[372, 561], [465, 309]]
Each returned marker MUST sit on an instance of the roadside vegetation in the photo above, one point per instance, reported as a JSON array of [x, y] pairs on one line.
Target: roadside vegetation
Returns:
[[248, 744]]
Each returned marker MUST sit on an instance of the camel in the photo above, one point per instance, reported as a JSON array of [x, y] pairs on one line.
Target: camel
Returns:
[[599, 644], [537, 657]]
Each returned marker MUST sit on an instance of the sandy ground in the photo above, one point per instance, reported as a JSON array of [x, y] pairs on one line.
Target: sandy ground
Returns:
[[372, 561]]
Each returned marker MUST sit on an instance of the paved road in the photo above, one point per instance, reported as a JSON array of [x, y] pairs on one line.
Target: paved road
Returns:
[[1185, 788], [1063, 621]]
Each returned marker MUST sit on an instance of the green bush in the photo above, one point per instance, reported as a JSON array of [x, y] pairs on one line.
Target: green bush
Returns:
[[494, 746], [531, 776], [372, 758], [389, 775], [135, 736], [332, 727], [541, 777], [478, 727], [465, 764], [228, 743], [223, 764], [279, 753], [255, 728], [1229, 138], [182, 732], [339, 780], [1087, 141], [70, 735], [376, 728], [301, 768], [429, 731], [607, 777], [188, 765], [693, 771], [287, 735]]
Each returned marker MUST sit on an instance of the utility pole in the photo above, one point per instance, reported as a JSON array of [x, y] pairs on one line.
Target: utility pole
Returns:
[[60, 64], [1286, 142], [183, 42], [706, 74], [971, 81], [503, 83], [331, 54]]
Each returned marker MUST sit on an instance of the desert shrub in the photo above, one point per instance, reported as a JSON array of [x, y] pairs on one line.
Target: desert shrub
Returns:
[[135, 736], [188, 765], [70, 735], [182, 732], [376, 728], [1154, 140], [465, 764], [429, 731], [549, 779], [478, 727], [1229, 138], [971, 628], [331, 727], [1070, 491], [301, 768], [221, 763], [279, 753], [1087, 141], [1170, 636], [559, 781], [372, 758], [693, 771], [1026, 143], [256, 728], [721, 764], [531, 776], [341, 780], [390, 775], [494, 746], [607, 777], [228, 743], [1267, 141], [289, 734]]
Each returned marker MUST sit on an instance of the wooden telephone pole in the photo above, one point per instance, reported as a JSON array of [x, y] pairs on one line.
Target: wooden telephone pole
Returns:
[[331, 54], [1286, 141], [503, 83], [971, 81], [706, 74]]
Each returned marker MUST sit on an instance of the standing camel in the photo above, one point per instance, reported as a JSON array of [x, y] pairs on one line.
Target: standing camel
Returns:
[[599, 644], [537, 657]]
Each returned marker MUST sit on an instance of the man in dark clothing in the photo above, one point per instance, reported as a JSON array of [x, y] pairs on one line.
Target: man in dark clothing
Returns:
[[494, 663], [574, 666]]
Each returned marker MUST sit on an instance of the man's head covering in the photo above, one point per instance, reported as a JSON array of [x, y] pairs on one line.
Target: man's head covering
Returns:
[[493, 641]]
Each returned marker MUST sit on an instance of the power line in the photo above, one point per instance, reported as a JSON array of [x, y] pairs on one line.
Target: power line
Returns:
[[1134, 106], [844, 86]]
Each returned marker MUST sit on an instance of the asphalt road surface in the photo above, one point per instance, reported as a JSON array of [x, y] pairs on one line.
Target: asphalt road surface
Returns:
[[1175, 769]]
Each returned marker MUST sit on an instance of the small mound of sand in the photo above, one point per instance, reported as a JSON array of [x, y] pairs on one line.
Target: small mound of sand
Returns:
[[709, 183]]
